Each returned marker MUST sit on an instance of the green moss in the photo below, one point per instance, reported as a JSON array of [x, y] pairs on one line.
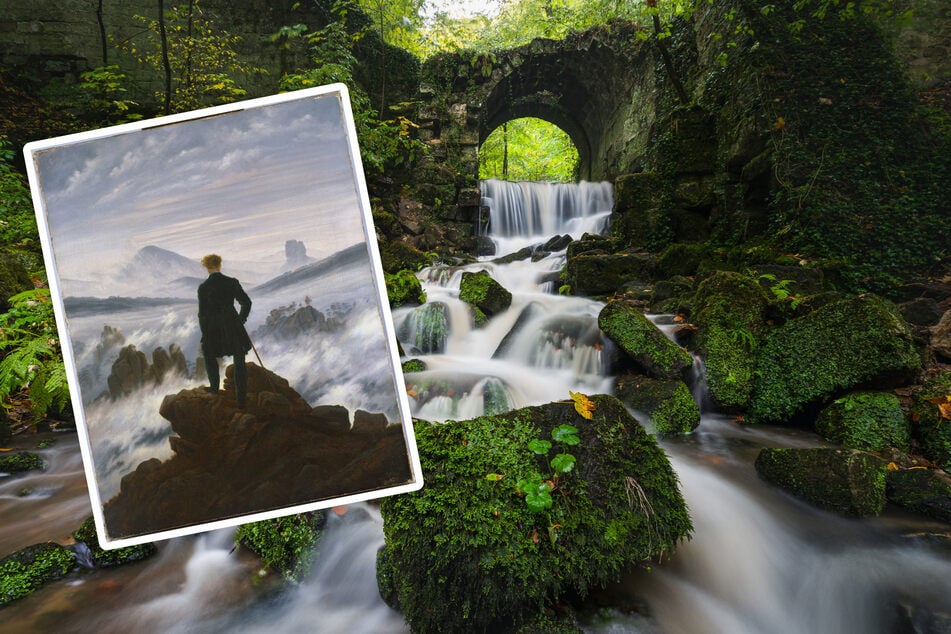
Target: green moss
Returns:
[[668, 402], [20, 461], [865, 420], [595, 274], [414, 365], [427, 327], [844, 481], [284, 543], [115, 557], [23, 572], [483, 292], [397, 256], [466, 554], [642, 341], [925, 491], [848, 344], [683, 259], [729, 310], [404, 288]]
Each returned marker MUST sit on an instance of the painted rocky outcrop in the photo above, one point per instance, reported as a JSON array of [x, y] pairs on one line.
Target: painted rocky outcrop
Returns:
[[277, 451]]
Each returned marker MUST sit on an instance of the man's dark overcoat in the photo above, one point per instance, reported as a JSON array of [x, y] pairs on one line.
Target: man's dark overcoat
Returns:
[[222, 327]]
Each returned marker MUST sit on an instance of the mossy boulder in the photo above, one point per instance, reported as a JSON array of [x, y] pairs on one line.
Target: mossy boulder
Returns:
[[861, 342], [466, 554], [925, 491], [668, 402], [396, 256], [594, 274], [870, 421], [643, 342], [414, 365], [102, 558], [284, 543], [26, 570], [20, 461], [480, 290], [931, 420], [426, 328], [404, 288], [729, 312], [683, 258], [844, 481]]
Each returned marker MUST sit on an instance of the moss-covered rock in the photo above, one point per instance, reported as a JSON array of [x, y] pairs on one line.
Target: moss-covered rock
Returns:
[[466, 554], [729, 311], [642, 342], [924, 491], [26, 570], [107, 558], [844, 481], [931, 420], [854, 343], [404, 288], [482, 291], [426, 328], [682, 259], [667, 401], [414, 365], [594, 274], [870, 421], [20, 461], [397, 256], [284, 543]]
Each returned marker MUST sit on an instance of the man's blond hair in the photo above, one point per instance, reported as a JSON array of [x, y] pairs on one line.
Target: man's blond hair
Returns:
[[212, 262]]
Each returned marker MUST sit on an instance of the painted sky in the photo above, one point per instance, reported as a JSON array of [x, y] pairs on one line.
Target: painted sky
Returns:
[[239, 184]]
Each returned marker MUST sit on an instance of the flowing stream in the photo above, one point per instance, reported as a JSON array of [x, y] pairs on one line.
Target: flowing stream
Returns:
[[759, 562]]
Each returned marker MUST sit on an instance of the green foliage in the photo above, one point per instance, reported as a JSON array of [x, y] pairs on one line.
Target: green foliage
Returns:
[[284, 543], [203, 60], [528, 149], [17, 219], [25, 571], [536, 489], [105, 87], [31, 354]]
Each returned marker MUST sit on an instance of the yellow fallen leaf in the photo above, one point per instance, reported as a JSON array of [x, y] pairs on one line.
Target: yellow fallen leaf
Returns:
[[583, 405], [892, 466], [6, 448]]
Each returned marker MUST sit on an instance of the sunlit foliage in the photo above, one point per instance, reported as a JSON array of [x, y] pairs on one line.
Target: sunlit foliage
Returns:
[[528, 149]]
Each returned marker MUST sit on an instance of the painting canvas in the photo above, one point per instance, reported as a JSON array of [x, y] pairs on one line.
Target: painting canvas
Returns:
[[234, 241]]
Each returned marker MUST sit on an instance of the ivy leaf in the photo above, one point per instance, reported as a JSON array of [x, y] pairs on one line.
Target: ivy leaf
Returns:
[[539, 446], [583, 405], [563, 462], [566, 434]]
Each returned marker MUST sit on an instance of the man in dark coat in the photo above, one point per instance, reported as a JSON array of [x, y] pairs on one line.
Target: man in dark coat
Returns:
[[222, 327]]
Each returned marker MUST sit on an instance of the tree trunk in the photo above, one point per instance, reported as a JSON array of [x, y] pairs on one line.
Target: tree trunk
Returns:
[[163, 36], [102, 35]]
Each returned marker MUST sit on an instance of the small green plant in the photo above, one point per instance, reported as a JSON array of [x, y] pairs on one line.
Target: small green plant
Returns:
[[105, 87], [536, 487], [780, 289], [31, 355]]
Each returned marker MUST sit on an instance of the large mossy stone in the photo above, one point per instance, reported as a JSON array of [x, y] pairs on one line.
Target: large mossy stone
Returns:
[[636, 193], [668, 402], [115, 557], [931, 420], [925, 491], [26, 570], [870, 421], [466, 554], [844, 481], [285, 544], [593, 274], [861, 342], [643, 342], [729, 312], [483, 292]]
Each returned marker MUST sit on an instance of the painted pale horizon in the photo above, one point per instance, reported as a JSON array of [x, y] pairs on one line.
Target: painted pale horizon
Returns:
[[275, 187]]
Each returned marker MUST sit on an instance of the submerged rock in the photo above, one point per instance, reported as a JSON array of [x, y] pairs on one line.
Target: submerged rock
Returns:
[[844, 481], [275, 452], [467, 554], [852, 343]]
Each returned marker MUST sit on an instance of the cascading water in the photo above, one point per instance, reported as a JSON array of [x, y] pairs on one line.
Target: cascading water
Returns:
[[759, 560]]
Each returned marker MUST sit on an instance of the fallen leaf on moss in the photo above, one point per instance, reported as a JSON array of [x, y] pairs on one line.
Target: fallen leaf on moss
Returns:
[[583, 405]]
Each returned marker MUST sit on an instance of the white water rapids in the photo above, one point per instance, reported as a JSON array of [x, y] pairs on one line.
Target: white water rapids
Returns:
[[759, 561]]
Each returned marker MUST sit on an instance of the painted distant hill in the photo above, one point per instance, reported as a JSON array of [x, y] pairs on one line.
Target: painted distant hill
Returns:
[[162, 265], [350, 256]]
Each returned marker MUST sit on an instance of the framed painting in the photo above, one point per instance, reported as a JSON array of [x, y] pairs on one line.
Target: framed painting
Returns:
[[223, 317]]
